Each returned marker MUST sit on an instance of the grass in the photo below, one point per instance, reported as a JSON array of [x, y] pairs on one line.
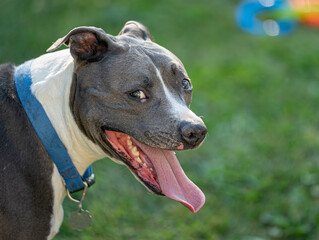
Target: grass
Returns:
[[258, 96]]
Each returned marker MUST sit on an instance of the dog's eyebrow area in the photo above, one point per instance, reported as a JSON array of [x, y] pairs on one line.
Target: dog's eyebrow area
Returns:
[[146, 83], [174, 68], [141, 83], [178, 70]]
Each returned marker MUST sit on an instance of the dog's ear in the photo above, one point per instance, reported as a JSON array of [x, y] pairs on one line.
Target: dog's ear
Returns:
[[86, 43], [137, 30]]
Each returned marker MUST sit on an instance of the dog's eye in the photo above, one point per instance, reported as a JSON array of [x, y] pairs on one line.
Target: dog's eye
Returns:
[[138, 94], [186, 84]]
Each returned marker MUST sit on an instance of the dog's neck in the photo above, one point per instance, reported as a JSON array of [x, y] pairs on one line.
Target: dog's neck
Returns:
[[51, 82]]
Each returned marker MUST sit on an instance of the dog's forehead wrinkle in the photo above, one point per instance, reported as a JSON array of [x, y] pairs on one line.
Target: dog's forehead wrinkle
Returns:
[[149, 48]]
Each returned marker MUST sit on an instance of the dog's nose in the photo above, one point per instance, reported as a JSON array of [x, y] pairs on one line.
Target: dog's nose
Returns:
[[193, 133]]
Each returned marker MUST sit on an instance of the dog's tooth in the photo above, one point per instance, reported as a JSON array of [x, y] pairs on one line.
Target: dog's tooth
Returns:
[[144, 164], [135, 151], [151, 169], [138, 159], [129, 141]]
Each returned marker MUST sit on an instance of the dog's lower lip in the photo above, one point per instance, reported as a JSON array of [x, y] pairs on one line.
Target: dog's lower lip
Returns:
[[134, 158]]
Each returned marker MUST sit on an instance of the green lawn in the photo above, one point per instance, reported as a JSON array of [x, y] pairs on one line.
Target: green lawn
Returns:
[[259, 166]]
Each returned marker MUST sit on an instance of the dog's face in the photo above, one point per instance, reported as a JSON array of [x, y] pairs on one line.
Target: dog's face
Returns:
[[132, 97]]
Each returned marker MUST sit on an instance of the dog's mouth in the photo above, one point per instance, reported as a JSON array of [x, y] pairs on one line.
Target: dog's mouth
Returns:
[[159, 170]]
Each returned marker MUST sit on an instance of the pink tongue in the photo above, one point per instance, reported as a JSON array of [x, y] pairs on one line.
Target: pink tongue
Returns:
[[172, 179]]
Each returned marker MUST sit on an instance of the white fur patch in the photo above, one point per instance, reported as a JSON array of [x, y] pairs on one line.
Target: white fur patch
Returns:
[[51, 82], [59, 194], [176, 106]]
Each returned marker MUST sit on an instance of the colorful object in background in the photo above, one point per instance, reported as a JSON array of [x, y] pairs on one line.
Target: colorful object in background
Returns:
[[307, 11], [276, 17]]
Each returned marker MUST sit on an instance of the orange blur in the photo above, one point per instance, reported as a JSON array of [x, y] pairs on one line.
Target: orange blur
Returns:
[[307, 10]]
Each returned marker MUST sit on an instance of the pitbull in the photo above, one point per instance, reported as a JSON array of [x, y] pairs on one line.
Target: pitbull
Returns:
[[122, 97]]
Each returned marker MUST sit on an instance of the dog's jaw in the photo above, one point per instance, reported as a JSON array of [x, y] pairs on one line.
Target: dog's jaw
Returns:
[[157, 169], [135, 159]]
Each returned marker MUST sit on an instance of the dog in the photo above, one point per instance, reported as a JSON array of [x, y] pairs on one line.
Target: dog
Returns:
[[123, 97]]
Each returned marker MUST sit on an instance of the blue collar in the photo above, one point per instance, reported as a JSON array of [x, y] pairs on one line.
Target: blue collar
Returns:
[[50, 140]]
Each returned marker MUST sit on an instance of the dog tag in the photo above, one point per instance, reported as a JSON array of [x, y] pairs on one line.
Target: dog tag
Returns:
[[80, 219]]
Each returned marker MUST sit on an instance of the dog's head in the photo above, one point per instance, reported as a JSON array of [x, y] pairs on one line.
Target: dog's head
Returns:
[[131, 97]]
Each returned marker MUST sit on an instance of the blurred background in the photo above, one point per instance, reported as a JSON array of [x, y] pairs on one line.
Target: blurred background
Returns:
[[259, 166]]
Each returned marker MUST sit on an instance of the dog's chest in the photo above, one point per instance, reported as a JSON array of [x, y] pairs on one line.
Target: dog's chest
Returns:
[[58, 196]]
